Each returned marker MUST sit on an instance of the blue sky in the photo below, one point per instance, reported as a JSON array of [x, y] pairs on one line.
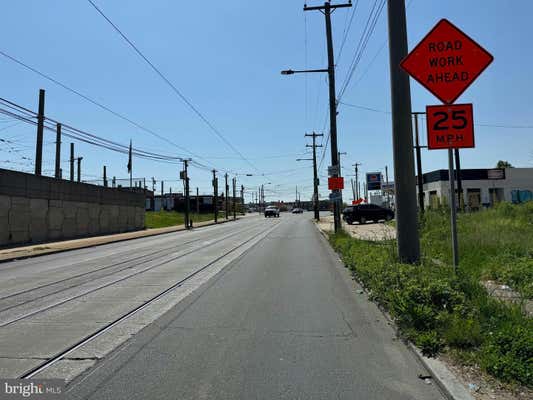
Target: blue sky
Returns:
[[225, 57]]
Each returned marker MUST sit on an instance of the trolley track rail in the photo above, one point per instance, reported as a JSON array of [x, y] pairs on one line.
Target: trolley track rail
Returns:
[[108, 284], [62, 354]]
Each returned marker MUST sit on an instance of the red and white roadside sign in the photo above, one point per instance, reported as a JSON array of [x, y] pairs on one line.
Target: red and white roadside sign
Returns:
[[450, 126], [446, 61], [336, 183]]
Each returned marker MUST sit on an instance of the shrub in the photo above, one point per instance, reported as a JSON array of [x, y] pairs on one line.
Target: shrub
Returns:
[[508, 354]]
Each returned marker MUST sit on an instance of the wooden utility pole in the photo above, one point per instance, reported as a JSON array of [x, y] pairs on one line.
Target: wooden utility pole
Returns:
[[356, 165], [315, 175], [419, 174], [326, 10], [105, 176]]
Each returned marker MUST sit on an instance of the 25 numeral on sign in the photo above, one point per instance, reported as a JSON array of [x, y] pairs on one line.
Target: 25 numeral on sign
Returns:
[[450, 126]]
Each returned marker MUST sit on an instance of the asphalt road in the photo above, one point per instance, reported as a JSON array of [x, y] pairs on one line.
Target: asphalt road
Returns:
[[49, 303], [283, 321]]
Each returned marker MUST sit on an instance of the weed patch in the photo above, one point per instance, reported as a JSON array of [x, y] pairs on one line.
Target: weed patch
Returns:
[[439, 309]]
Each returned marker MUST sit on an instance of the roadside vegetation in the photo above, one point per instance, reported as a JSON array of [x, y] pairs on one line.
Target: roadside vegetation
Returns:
[[162, 219], [440, 310]]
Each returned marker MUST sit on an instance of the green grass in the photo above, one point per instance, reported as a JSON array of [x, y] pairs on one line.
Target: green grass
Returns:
[[440, 310], [161, 219]]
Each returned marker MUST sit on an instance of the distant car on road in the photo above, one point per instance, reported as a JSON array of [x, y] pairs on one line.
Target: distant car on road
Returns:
[[271, 211], [297, 210], [366, 212]]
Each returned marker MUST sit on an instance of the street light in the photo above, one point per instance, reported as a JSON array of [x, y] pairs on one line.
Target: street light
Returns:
[[292, 72]]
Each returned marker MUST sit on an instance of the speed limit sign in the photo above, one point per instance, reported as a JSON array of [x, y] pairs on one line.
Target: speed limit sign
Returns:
[[450, 126]]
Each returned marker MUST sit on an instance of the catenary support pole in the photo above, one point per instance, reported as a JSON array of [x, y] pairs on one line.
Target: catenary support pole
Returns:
[[215, 195], [226, 194], [58, 152], [71, 162], [40, 132], [79, 168], [187, 198], [234, 182], [402, 137], [197, 201]]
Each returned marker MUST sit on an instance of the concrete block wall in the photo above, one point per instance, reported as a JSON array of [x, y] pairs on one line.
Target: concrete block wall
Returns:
[[37, 209]]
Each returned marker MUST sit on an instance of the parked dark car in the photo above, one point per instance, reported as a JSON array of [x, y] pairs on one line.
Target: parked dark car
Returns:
[[297, 210], [366, 212]]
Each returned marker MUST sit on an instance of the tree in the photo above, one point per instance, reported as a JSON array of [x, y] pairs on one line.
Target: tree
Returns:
[[504, 164]]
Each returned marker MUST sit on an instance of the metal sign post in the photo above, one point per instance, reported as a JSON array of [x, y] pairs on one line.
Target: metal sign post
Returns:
[[453, 213], [446, 62]]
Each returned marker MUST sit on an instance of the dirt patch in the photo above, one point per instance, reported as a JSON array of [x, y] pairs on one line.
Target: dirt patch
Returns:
[[482, 386], [369, 231]]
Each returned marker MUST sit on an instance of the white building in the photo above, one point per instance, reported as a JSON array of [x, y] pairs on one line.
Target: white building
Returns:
[[481, 187]]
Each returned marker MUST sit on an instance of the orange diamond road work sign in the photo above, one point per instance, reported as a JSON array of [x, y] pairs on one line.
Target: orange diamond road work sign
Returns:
[[446, 61], [336, 183], [450, 126]]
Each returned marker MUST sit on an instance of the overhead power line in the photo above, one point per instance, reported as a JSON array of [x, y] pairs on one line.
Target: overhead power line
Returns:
[[370, 26], [99, 105], [488, 125], [173, 87]]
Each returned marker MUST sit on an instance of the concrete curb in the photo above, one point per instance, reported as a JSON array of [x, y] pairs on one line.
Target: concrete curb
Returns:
[[446, 380], [93, 241]]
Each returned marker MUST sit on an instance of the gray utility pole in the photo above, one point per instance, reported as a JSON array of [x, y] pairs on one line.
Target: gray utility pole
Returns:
[[326, 9], [58, 152], [419, 174], [79, 168], [459, 180], [315, 175], [226, 205], [40, 130], [402, 138], [215, 195], [187, 200], [197, 201], [356, 165], [453, 210], [105, 176], [153, 184], [234, 181], [353, 189], [72, 162]]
